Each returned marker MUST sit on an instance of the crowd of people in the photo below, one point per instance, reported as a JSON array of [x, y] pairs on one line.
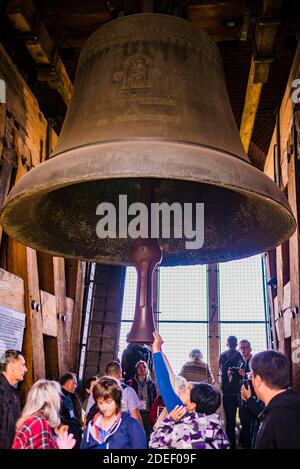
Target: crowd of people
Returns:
[[140, 403]]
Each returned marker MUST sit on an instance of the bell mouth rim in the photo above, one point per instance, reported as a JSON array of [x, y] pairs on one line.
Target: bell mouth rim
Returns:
[[107, 151], [225, 258], [62, 165]]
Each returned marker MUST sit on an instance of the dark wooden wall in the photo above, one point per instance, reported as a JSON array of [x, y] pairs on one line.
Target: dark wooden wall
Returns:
[[52, 292], [284, 262]]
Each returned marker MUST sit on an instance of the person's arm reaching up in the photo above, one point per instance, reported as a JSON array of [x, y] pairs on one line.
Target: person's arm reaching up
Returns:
[[169, 396]]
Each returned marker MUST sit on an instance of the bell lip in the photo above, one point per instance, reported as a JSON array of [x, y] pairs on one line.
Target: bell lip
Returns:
[[61, 166], [106, 152]]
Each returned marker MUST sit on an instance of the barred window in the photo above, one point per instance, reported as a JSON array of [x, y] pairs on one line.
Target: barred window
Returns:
[[183, 307]]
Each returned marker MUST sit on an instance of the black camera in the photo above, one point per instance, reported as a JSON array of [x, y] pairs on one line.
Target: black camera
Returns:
[[248, 384]]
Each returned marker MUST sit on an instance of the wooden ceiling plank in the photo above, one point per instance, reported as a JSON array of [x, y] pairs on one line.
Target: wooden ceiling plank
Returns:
[[213, 17], [50, 67], [40, 45], [22, 14], [251, 105]]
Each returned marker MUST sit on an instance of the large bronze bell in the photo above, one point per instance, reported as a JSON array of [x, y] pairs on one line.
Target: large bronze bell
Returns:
[[149, 103]]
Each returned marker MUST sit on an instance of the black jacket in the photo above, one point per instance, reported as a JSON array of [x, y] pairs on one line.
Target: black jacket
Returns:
[[68, 416], [10, 411], [133, 354], [230, 358], [280, 426]]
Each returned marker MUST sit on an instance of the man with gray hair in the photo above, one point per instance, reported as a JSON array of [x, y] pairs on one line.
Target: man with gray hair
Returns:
[[13, 369], [196, 370]]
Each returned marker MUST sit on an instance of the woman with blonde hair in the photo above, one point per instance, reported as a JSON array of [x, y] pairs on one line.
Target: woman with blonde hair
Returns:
[[40, 416]]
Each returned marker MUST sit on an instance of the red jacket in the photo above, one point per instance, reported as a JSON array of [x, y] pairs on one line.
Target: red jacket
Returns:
[[35, 433], [156, 409]]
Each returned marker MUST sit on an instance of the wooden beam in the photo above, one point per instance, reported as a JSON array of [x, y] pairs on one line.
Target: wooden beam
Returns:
[[2, 126], [271, 273], [213, 18], [155, 287], [57, 77], [77, 316], [48, 306], [2, 131], [37, 40], [46, 275], [251, 105], [30, 126], [265, 36], [279, 299], [69, 324], [22, 14], [36, 323], [293, 196], [61, 311], [17, 265], [213, 314], [71, 270], [50, 67]]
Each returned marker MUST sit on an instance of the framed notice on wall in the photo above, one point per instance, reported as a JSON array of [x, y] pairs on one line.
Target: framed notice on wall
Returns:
[[12, 325]]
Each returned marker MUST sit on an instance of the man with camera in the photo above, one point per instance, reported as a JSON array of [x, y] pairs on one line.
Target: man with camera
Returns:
[[246, 417], [280, 418], [253, 405], [230, 364]]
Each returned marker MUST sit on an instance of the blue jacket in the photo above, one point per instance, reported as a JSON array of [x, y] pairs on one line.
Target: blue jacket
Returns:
[[129, 434], [168, 394]]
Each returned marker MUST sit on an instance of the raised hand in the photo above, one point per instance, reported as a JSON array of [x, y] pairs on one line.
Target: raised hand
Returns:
[[158, 341], [178, 413]]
